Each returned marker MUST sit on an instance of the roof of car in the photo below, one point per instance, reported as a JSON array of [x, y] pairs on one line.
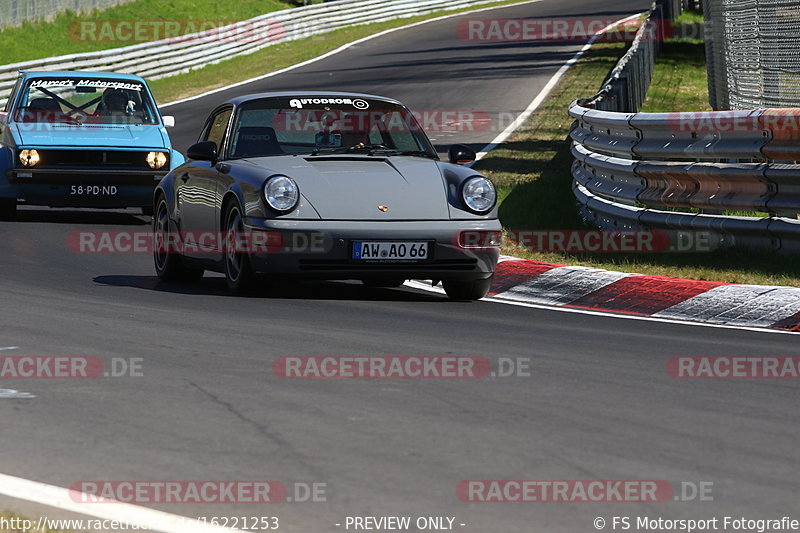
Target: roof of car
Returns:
[[76, 73], [310, 94]]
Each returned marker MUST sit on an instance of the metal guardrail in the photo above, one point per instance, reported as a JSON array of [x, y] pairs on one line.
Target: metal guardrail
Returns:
[[626, 86], [682, 171], [168, 57], [679, 171]]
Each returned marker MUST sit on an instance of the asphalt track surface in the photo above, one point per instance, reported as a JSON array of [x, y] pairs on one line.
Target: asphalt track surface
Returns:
[[597, 405]]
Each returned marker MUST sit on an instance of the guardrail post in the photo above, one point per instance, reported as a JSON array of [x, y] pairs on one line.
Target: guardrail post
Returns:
[[624, 102]]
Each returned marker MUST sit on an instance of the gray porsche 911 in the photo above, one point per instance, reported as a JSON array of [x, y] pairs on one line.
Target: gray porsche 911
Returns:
[[325, 186]]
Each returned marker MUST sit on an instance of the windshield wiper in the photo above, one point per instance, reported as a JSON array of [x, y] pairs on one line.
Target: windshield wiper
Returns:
[[356, 148], [418, 153]]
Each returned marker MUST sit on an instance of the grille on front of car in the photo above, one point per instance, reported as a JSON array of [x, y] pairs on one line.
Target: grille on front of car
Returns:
[[94, 159]]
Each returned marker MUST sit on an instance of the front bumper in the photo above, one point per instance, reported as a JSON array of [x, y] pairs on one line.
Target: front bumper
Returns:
[[323, 249], [103, 188]]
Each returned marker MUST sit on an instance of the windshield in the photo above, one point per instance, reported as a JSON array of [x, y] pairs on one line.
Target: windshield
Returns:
[[285, 125], [86, 101]]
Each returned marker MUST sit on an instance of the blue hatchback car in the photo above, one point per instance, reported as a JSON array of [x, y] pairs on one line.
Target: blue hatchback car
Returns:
[[82, 139]]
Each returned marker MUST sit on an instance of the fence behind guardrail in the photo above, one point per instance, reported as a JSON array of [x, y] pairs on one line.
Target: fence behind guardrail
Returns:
[[752, 53]]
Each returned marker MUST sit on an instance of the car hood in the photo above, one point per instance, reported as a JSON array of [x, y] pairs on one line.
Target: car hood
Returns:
[[355, 187], [67, 135]]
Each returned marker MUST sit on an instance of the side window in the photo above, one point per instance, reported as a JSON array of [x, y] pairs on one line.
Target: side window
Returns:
[[215, 129], [12, 96]]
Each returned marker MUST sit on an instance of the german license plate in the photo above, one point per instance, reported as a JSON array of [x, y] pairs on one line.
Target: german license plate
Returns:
[[390, 251]]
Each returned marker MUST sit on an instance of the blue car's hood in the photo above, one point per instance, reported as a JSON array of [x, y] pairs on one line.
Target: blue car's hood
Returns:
[[43, 135]]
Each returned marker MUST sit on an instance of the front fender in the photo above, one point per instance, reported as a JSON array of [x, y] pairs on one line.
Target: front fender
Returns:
[[7, 190], [245, 183], [166, 188], [454, 176], [176, 159]]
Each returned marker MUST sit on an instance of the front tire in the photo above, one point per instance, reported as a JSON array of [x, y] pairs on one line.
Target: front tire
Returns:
[[8, 209], [467, 290], [239, 273], [168, 263]]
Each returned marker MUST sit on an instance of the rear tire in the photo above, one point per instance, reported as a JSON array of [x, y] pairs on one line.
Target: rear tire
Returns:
[[169, 264], [467, 290], [239, 273], [8, 209]]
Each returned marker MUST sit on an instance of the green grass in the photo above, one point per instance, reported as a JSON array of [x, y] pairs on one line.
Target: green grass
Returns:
[[689, 17], [680, 81], [532, 172], [62, 35]]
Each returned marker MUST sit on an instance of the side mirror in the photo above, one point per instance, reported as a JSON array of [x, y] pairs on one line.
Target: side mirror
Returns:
[[203, 151], [169, 121], [460, 154]]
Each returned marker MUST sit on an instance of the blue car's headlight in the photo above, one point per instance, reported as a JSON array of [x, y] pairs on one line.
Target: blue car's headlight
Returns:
[[479, 195], [281, 193], [156, 160], [29, 158]]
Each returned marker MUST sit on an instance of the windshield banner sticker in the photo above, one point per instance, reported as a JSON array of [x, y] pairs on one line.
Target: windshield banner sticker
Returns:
[[96, 84], [300, 102]]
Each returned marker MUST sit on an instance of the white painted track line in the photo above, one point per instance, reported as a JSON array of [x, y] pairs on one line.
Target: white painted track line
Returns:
[[545, 92], [342, 49], [59, 498]]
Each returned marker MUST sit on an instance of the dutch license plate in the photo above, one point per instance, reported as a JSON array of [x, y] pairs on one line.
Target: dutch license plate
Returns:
[[390, 251], [93, 190]]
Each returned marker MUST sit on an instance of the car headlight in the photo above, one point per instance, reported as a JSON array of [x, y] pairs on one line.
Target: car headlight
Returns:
[[479, 194], [281, 193], [29, 158], [156, 160]]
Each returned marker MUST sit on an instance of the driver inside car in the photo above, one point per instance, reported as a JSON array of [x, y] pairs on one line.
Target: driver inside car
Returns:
[[115, 101], [355, 139]]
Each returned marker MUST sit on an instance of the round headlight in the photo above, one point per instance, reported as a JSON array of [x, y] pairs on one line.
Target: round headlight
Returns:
[[281, 193], [29, 158], [479, 195], [156, 160]]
